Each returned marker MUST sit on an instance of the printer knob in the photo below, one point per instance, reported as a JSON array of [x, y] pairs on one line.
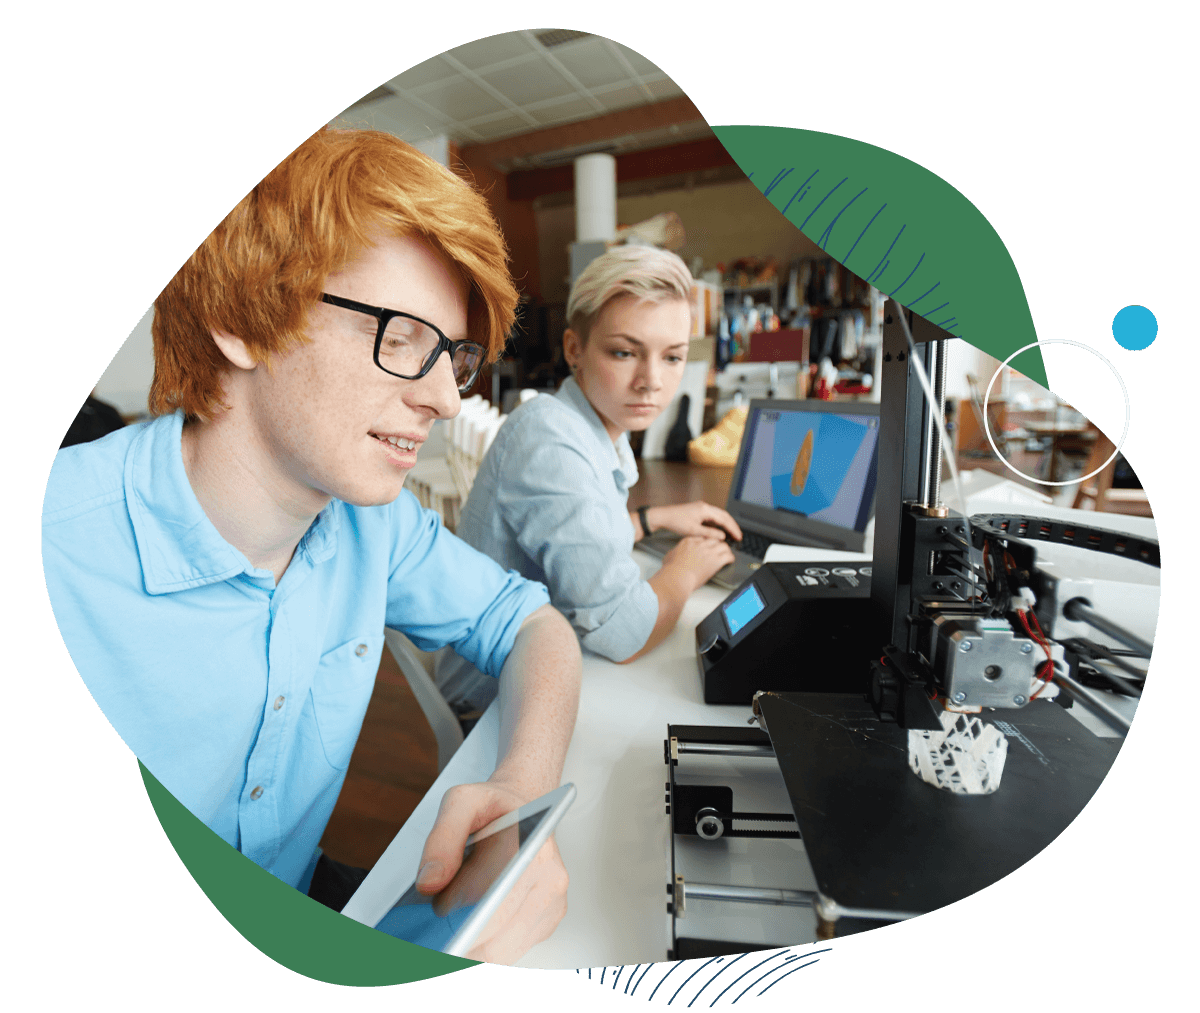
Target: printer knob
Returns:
[[713, 647]]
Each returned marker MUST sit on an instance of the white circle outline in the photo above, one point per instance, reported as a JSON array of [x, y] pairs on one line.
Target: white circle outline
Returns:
[[988, 429]]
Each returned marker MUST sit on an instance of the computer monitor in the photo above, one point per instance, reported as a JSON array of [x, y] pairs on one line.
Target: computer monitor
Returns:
[[806, 472]]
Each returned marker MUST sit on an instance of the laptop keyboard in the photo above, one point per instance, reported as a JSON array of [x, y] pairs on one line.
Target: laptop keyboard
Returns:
[[752, 544]]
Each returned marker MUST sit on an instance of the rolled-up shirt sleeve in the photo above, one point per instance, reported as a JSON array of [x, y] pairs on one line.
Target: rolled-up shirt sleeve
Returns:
[[443, 592], [552, 498]]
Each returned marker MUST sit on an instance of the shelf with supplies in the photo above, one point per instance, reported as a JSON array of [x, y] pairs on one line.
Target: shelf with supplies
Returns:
[[771, 287]]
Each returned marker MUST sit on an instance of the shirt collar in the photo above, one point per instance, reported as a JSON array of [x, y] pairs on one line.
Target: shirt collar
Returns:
[[622, 461], [178, 545]]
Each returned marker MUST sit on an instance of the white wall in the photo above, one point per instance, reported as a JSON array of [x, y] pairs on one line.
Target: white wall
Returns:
[[126, 382]]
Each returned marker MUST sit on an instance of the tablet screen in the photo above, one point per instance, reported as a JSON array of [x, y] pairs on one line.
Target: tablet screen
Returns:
[[433, 921]]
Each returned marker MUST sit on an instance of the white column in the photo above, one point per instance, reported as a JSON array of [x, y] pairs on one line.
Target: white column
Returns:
[[595, 198]]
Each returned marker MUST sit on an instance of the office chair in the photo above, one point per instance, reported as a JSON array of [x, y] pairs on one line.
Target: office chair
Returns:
[[1098, 493], [433, 705]]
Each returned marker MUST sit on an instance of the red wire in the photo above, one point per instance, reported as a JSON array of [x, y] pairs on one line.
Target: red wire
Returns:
[[1040, 638]]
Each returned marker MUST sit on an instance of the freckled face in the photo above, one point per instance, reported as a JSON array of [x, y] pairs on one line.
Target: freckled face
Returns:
[[633, 360], [333, 422]]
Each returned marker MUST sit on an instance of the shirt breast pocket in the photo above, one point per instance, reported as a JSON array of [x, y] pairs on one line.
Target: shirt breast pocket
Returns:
[[341, 690]]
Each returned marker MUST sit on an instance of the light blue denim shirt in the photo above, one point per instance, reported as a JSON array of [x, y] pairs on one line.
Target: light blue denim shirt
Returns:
[[244, 698], [550, 501]]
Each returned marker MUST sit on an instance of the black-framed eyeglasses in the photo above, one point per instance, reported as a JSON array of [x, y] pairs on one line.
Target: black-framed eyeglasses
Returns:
[[407, 346]]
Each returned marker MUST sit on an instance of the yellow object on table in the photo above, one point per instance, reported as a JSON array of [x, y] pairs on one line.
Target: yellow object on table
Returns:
[[718, 448]]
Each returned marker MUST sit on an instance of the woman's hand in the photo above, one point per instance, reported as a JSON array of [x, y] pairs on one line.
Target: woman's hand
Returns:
[[695, 559], [698, 518]]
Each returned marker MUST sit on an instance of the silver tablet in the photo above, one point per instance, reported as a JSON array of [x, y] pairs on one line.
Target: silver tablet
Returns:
[[493, 861]]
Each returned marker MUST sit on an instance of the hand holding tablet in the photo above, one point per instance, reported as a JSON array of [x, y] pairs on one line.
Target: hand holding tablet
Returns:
[[508, 891]]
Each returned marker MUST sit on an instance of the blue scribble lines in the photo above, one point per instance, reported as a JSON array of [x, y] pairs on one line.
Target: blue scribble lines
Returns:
[[893, 292], [782, 976], [861, 234], [902, 252], [714, 978], [828, 233], [912, 304], [876, 274], [678, 963], [639, 981], [759, 971], [779, 178], [798, 189], [823, 200], [692, 975]]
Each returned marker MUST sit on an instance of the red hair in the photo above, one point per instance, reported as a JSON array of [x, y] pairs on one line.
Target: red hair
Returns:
[[259, 272]]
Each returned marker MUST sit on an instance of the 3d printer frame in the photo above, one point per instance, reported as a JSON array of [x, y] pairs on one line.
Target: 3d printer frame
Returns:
[[968, 618], [968, 621]]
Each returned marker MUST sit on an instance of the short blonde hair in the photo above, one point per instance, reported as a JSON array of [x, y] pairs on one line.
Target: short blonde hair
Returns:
[[642, 271], [264, 267]]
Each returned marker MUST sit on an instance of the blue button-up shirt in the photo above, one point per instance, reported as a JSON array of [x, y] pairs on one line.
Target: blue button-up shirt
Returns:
[[244, 698], [550, 501]]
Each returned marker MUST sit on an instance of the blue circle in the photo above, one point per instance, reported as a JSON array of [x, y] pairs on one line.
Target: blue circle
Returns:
[[1135, 328]]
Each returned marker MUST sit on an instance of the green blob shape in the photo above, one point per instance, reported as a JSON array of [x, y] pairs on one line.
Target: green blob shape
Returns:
[[283, 923], [898, 226]]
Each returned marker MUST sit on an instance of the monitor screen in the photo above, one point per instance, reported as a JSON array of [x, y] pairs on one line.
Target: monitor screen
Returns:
[[818, 464]]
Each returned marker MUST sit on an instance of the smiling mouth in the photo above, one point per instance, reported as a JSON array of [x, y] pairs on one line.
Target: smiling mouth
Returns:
[[399, 442]]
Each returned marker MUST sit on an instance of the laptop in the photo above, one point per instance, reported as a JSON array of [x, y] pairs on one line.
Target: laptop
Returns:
[[805, 475]]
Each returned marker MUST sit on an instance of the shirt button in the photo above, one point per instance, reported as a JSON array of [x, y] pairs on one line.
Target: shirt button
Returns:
[[256, 794], [278, 702], [360, 650]]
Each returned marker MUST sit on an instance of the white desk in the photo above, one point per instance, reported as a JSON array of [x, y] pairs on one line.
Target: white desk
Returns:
[[614, 840]]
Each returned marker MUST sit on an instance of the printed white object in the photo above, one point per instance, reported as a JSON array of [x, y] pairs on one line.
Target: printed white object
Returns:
[[966, 757]]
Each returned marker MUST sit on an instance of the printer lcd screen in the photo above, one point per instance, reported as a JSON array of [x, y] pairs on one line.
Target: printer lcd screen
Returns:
[[742, 609]]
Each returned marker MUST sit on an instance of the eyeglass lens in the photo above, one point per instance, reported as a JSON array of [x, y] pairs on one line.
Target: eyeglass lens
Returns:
[[407, 345]]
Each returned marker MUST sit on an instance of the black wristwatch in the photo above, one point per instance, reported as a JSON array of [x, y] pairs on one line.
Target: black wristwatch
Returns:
[[641, 512]]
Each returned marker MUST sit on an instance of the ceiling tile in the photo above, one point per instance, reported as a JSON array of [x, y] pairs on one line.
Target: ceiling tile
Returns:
[[529, 83], [592, 63], [638, 62], [495, 129], [425, 73], [460, 99], [494, 49], [664, 88], [572, 109], [623, 98]]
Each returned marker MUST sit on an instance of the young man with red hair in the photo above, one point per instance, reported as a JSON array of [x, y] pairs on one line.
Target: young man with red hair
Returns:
[[222, 574]]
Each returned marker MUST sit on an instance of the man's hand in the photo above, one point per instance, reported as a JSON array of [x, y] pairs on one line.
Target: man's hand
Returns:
[[698, 518], [539, 695], [535, 905]]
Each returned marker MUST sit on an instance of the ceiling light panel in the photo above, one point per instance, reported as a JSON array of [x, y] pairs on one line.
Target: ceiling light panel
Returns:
[[554, 37]]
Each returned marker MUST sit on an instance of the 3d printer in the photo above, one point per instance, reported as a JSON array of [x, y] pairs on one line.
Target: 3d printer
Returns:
[[970, 627]]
